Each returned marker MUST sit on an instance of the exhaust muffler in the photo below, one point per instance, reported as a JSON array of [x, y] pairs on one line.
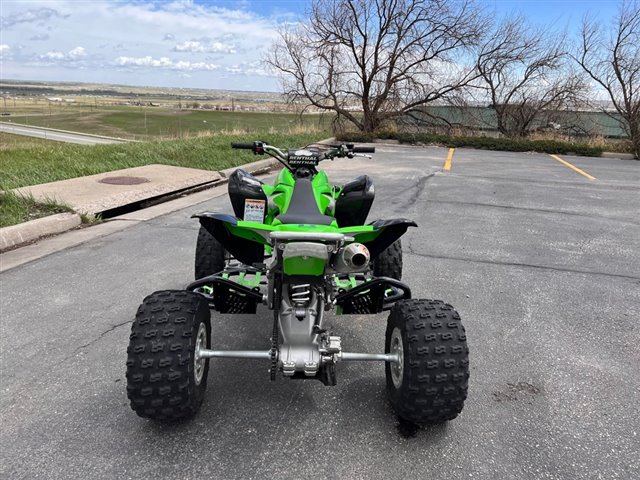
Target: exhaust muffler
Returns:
[[352, 258]]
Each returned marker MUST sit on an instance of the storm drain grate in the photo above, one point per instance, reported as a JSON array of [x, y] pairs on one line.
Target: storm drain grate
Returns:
[[124, 180]]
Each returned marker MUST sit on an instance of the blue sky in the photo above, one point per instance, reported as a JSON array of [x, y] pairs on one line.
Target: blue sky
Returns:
[[183, 43]]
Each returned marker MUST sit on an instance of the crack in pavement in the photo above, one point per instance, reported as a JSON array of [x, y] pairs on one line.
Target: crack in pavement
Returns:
[[522, 265], [28, 383], [99, 337], [419, 189]]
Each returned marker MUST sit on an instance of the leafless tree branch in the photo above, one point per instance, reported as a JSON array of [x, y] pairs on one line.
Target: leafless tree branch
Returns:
[[381, 57], [613, 62], [525, 74]]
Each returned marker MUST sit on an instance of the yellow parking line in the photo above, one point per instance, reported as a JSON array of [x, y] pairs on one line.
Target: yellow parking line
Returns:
[[573, 167], [447, 163]]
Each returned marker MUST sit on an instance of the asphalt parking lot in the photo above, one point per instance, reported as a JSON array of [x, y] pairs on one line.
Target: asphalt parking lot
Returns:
[[541, 261]]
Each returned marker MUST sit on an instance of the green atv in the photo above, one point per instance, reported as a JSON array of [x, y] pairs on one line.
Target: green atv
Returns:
[[302, 248]]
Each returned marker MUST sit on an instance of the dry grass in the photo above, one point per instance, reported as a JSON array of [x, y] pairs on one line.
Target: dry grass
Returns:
[[597, 141]]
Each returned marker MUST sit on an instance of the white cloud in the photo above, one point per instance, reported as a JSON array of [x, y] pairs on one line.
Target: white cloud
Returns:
[[77, 52], [165, 63], [74, 54], [189, 47], [6, 54], [29, 16], [55, 55], [168, 37], [199, 47], [255, 68], [147, 61]]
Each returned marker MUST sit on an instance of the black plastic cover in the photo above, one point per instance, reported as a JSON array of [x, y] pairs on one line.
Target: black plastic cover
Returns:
[[354, 203], [242, 186], [243, 250], [392, 230], [370, 297]]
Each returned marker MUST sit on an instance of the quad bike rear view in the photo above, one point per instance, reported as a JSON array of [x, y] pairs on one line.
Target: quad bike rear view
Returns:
[[302, 248]]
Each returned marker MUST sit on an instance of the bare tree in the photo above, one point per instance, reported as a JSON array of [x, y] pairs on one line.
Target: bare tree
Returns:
[[524, 73], [613, 61], [379, 57]]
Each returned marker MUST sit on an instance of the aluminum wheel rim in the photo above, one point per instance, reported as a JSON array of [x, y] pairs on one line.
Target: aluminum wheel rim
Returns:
[[199, 362], [397, 368]]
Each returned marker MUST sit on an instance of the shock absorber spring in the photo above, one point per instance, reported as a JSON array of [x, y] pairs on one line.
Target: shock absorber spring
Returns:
[[300, 294]]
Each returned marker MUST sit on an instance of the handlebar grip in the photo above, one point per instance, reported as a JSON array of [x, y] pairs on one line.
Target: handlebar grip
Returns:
[[244, 146], [364, 149]]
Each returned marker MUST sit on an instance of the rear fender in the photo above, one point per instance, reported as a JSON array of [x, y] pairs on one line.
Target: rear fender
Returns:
[[379, 235], [245, 244], [246, 241]]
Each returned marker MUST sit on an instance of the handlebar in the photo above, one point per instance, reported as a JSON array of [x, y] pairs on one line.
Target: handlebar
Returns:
[[363, 149], [351, 147], [283, 156], [244, 146]]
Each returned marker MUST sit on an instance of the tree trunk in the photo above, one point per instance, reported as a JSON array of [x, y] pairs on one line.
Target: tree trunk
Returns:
[[370, 123], [634, 131]]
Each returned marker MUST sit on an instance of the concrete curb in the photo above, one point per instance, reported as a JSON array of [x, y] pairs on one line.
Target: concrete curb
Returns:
[[34, 229], [620, 156]]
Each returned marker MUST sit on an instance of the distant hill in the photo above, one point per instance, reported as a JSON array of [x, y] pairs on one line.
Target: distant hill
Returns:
[[35, 88]]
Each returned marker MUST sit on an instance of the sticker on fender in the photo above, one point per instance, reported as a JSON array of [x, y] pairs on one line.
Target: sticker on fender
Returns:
[[254, 210]]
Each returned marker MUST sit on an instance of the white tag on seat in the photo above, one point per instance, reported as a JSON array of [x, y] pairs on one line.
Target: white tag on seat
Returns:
[[254, 210]]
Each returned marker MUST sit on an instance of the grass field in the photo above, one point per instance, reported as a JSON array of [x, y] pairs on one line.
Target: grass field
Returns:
[[143, 123]]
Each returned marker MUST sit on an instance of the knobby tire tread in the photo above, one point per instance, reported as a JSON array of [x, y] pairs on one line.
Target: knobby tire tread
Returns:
[[436, 361], [389, 262], [210, 255], [160, 358]]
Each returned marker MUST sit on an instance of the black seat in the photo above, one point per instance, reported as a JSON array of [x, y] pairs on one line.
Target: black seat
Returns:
[[303, 208]]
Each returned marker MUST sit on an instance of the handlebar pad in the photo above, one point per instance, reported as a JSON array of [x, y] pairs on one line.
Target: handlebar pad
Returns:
[[364, 149], [244, 146]]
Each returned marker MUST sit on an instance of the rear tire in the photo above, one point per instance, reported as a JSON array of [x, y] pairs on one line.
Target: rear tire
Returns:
[[430, 384], [210, 255], [164, 380], [389, 262]]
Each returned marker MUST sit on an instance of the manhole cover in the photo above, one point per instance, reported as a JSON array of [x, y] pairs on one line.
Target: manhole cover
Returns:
[[124, 180]]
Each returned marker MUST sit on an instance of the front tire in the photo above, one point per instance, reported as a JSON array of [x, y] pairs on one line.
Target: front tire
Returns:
[[210, 255], [165, 380], [429, 384]]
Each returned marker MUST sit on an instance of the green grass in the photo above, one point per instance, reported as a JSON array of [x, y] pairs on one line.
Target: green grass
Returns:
[[155, 122], [50, 161], [9, 141], [16, 209]]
